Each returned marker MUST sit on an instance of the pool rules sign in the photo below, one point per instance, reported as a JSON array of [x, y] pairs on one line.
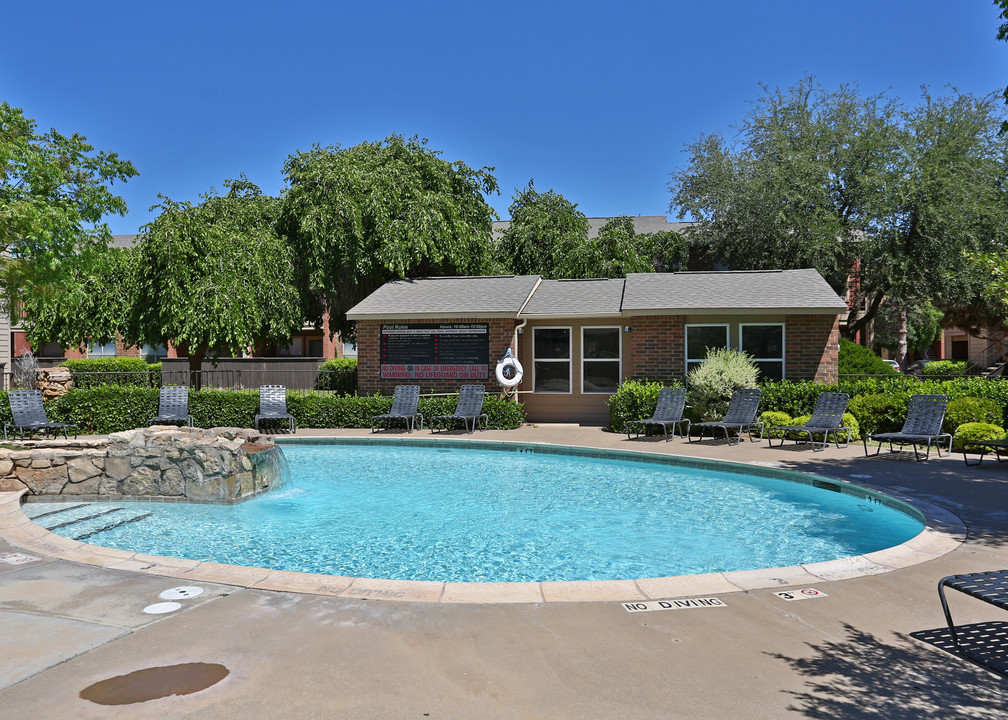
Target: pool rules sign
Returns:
[[443, 351]]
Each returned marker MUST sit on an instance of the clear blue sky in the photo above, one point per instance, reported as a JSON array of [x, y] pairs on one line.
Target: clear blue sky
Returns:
[[594, 100]]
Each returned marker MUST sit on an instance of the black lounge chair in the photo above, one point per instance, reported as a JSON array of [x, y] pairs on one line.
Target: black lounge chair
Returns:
[[469, 409], [273, 407], [669, 411], [826, 418], [923, 426], [984, 447], [173, 407], [29, 415], [404, 407], [741, 416]]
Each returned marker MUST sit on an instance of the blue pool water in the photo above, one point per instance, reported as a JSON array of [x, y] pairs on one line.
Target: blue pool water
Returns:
[[429, 513]]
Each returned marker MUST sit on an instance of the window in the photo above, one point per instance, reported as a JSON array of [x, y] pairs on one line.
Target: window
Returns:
[[99, 350], [314, 347], [600, 359], [292, 349], [350, 349], [153, 353], [551, 360], [701, 337], [765, 343]]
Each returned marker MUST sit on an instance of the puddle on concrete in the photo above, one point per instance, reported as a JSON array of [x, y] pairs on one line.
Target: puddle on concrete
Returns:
[[155, 682]]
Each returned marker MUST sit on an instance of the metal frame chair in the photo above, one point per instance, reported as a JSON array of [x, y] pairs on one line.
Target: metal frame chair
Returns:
[[173, 406], [826, 418], [669, 411], [273, 406], [741, 416], [404, 407], [469, 408], [923, 426], [29, 414]]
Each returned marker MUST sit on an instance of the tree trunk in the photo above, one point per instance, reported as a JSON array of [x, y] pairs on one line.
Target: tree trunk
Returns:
[[901, 337], [196, 366], [856, 326]]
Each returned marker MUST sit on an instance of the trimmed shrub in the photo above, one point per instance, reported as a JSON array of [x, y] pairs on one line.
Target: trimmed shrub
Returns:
[[339, 375], [713, 381], [972, 410], [851, 422], [105, 409], [878, 413], [795, 397], [121, 371], [946, 367], [856, 359], [633, 400], [772, 418], [976, 431]]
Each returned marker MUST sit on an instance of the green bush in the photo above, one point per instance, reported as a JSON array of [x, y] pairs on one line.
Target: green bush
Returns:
[[339, 375], [855, 428], [946, 367], [633, 400], [121, 371], [878, 413], [793, 397], [774, 418], [977, 432], [114, 408], [713, 381], [972, 410], [856, 359]]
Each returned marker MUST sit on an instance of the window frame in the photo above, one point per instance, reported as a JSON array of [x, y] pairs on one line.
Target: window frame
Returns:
[[783, 333], [686, 358], [618, 359], [569, 360], [102, 346]]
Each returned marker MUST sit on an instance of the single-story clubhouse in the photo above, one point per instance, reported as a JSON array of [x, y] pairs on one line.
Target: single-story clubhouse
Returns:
[[577, 339]]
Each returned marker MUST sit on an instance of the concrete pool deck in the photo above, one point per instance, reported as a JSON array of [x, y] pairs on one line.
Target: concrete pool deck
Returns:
[[868, 646]]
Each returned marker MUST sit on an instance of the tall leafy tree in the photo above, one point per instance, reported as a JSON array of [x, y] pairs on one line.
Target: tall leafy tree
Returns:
[[849, 185], [547, 235], [54, 191], [214, 277], [358, 217]]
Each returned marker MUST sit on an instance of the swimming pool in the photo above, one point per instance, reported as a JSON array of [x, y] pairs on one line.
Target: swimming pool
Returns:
[[486, 512]]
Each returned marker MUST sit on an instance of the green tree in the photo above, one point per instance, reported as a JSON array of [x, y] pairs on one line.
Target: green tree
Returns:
[[846, 184], [214, 277], [619, 249], [54, 192], [984, 313], [361, 216], [923, 323], [547, 234]]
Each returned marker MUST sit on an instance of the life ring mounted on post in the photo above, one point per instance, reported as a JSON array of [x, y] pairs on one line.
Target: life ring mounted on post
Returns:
[[509, 371]]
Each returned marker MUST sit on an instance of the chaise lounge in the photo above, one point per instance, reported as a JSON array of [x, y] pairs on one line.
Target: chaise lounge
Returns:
[[404, 407], [173, 407], [273, 407], [923, 426], [669, 411], [826, 418], [29, 414], [741, 416], [469, 410]]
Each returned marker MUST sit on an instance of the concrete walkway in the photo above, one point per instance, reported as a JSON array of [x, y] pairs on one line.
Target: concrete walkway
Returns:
[[871, 648]]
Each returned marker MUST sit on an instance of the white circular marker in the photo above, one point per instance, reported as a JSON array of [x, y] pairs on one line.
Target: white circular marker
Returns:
[[162, 608], [181, 593]]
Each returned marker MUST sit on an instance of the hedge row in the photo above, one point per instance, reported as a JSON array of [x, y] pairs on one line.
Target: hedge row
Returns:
[[114, 408], [115, 371]]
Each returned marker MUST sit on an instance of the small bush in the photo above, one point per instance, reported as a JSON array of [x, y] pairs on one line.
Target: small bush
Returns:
[[878, 413], [977, 432], [633, 400], [795, 397], [339, 375], [114, 371], [856, 359], [972, 410], [851, 422], [713, 381], [946, 367], [774, 418]]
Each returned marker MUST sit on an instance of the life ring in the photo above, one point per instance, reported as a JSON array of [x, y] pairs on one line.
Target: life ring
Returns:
[[509, 365]]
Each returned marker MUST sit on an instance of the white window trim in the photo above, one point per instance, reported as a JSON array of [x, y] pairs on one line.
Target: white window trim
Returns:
[[783, 334], [688, 359], [101, 350], [618, 359], [569, 360]]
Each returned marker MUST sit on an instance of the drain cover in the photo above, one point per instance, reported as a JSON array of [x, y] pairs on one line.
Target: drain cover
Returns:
[[162, 608], [862, 477], [181, 593], [155, 682]]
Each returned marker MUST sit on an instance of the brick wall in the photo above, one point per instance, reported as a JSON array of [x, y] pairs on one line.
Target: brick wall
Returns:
[[657, 347], [369, 379], [812, 347]]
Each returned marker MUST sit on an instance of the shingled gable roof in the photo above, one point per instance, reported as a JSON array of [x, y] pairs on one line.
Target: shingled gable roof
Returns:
[[520, 296], [730, 292], [575, 298], [482, 296]]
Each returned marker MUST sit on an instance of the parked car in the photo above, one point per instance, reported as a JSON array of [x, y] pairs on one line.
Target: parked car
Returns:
[[893, 364]]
